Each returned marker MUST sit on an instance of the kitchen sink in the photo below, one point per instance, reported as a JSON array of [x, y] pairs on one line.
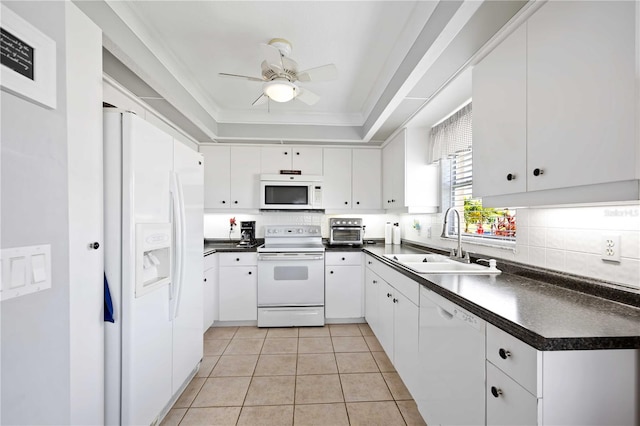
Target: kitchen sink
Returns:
[[416, 258], [449, 267]]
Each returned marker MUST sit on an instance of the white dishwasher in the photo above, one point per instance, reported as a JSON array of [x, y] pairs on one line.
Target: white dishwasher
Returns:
[[452, 363]]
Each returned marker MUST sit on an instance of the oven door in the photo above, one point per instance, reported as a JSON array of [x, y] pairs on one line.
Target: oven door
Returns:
[[290, 279], [345, 235]]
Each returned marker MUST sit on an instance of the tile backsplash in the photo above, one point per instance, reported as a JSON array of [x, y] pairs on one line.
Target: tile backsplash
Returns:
[[567, 239], [216, 225]]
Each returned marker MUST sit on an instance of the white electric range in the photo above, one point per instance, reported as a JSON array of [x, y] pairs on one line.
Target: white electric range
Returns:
[[291, 277]]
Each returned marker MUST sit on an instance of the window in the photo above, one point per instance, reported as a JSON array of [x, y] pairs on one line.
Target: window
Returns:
[[453, 148]]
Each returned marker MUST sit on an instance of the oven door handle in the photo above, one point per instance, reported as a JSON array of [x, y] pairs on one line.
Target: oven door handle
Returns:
[[347, 228], [294, 256]]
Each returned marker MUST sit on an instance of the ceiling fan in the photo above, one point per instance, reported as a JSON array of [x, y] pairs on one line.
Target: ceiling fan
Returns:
[[280, 74]]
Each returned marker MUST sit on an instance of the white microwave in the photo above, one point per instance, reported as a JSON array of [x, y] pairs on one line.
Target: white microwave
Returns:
[[290, 192]]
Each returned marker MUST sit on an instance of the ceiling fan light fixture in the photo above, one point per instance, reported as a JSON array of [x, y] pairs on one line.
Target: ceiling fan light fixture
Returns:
[[280, 90]]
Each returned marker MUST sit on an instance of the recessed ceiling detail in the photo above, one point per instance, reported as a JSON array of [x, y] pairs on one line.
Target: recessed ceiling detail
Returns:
[[383, 51]]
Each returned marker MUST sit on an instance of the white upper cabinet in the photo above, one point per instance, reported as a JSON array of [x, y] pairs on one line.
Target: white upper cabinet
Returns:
[[217, 172], [231, 177], [276, 158], [352, 179], [555, 107], [366, 179], [393, 164], [410, 183], [245, 177], [581, 111], [500, 118], [337, 178]]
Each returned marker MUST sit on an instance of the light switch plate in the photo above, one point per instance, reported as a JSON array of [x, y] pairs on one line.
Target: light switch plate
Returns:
[[611, 247], [25, 270]]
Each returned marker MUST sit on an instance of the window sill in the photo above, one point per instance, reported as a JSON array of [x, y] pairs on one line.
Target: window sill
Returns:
[[484, 241]]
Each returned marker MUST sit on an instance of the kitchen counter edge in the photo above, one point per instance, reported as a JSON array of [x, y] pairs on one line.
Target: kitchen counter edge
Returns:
[[519, 331]]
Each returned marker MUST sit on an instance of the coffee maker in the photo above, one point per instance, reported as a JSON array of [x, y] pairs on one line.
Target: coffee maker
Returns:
[[248, 234]]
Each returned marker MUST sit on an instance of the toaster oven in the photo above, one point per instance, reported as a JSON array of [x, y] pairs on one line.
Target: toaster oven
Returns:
[[347, 231]]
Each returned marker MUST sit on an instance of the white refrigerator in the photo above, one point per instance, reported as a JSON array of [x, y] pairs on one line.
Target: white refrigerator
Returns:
[[153, 214]]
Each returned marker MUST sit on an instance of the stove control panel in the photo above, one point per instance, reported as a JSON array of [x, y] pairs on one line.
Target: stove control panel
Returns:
[[292, 231], [336, 221]]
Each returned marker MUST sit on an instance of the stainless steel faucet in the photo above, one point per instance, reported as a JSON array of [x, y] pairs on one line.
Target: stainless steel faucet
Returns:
[[459, 253]]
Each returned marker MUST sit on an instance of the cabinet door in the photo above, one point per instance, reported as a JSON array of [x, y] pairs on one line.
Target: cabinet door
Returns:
[[245, 179], [394, 172], [385, 326], [405, 343], [499, 119], [209, 299], [337, 178], [366, 179], [238, 293], [275, 158], [371, 289], [343, 292], [581, 109], [508, 403], [217, 173], [308, 160]]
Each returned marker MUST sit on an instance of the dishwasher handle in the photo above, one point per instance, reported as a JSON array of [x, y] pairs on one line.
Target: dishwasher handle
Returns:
[[444, 313]]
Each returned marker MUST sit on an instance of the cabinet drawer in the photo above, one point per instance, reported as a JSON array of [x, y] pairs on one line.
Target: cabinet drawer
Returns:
[[210, 261], [343, 258], [518, 360], [238, 259], [508, 403]]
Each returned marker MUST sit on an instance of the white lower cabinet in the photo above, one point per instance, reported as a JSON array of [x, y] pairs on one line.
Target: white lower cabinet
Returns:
[[393, 318], [344, 290], [581, 387], [210, 290], [405, 340], [371, 307], [461, 370], [508, 403], [238, 287]]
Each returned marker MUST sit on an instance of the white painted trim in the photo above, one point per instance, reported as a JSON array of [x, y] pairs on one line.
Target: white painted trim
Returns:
[[122, 90], [42, 89], [84, 154]]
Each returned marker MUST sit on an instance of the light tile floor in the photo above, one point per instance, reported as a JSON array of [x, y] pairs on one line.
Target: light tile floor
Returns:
[[332, 375]]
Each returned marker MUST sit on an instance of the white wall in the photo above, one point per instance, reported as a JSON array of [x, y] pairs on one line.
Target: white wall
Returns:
[[48, 370], [562, 239], [35, 328]]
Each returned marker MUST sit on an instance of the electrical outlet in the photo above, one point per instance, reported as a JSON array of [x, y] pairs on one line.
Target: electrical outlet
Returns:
[[611, 248]]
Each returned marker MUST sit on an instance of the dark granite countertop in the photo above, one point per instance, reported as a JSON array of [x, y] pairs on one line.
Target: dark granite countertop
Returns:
[[546, 312], [368, 243], [226, 246]]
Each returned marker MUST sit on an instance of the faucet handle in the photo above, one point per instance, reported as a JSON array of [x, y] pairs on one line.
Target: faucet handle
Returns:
[[491, 262]]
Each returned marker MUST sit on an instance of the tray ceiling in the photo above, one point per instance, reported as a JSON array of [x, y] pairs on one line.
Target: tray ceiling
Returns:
[[170, 54]]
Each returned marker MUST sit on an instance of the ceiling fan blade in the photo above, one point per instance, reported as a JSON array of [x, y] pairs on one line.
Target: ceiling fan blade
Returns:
[[262, 99], [323, 73], [307, 96], [272, 56], [246, 77]]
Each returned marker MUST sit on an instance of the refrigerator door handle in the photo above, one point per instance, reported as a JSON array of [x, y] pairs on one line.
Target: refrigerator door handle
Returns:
[[179, 243]]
